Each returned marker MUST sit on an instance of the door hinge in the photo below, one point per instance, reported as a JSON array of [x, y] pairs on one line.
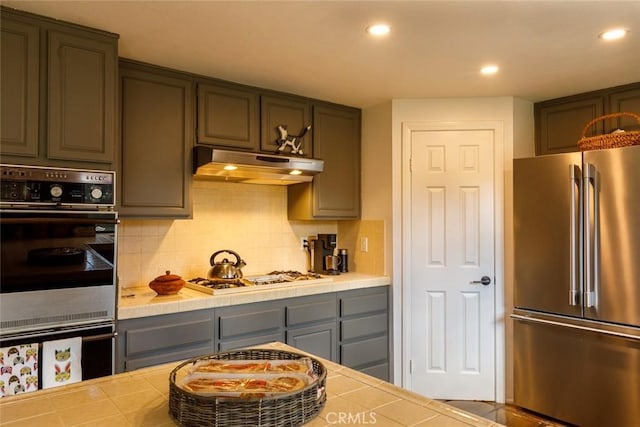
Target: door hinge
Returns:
[[411, 366], [410, 164]]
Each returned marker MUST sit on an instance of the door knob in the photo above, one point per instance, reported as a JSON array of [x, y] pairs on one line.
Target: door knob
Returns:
[[485, 280]]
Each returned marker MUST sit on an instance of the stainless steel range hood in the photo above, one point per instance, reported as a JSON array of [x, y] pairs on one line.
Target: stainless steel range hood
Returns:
[[253, 168]]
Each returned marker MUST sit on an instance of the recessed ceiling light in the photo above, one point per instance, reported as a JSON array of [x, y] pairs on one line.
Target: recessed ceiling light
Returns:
[[230, 167], [489, 69], [615, 34], [378, 29]]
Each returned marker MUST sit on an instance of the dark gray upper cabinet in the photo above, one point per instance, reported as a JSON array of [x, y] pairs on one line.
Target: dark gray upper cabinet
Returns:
[[559, 123], [58, 92], [82, 89], [334, 193], [624, 100], [157, 135], [20, 87], [228, 116], [287, 111]]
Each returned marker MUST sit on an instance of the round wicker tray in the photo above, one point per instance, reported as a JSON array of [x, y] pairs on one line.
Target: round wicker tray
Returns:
[[293, 409], [610, 140]]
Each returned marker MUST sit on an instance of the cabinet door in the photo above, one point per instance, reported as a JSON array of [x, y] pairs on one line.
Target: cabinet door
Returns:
[[20, 93], [627, 101], [157, 136], [292, 113], [82, 93], [334, 193], [320, 340], [228, 117], [559, 124]]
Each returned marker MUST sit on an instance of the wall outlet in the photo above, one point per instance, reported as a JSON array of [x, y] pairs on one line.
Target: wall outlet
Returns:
[[364, 244], [304, 243]]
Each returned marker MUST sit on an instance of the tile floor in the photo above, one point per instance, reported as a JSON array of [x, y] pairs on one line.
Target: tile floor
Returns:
[[508, 415]]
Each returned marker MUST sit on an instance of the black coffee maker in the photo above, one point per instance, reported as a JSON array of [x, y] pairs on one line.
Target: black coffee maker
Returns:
[[320, 247]]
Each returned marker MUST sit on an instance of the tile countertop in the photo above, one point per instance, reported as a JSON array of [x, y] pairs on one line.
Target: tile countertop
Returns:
[[140, 398], [142, 301]]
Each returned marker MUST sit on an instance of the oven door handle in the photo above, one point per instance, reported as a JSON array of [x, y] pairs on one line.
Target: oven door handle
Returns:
[[100, 337], [89, 338], [56, 331], [62, 220]]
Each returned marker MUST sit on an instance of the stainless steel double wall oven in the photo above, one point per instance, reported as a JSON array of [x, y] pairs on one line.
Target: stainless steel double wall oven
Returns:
[[58, 250]]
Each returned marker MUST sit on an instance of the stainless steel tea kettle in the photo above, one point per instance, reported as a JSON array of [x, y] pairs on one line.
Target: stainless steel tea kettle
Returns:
[[226, 269]]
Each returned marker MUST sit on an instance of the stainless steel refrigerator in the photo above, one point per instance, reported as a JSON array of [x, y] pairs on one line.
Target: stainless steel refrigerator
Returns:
[[577, 286]]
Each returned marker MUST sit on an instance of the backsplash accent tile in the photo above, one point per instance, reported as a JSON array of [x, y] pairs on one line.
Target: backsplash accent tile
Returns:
[[248, 219]]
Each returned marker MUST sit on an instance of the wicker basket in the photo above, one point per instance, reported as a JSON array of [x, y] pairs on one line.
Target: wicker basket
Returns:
[[293, 409], [610, 140]]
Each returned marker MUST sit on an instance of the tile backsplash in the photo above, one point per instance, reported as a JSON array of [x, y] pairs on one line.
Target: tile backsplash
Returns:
[[248, 219]]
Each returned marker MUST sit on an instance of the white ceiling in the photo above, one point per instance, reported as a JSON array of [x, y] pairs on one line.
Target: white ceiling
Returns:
[[545, 49]]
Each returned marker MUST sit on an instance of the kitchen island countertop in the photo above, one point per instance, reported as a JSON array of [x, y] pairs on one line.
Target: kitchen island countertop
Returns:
[[142, 301], [140, 398]]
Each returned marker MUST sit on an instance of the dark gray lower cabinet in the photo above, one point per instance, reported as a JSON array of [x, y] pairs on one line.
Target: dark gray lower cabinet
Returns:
[[148, 341], [311, 325], [349, 327], [249, 324], [364, 330]]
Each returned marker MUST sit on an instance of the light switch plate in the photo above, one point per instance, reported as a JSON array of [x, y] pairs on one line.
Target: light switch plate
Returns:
[[364, 244]]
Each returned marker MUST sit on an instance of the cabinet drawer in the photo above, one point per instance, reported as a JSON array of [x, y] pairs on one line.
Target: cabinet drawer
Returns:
[[250, 323], [364, 352], [363, 326], [311, 312], [360, 304], [155, 338], [248, 342], [165, 357]]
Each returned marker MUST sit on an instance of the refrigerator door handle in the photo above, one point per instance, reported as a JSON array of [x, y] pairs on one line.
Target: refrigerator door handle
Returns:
[[579, 327], [576, 196], [590, 213]]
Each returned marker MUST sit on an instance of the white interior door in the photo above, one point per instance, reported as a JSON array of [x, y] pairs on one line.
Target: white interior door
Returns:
[[451, 245]]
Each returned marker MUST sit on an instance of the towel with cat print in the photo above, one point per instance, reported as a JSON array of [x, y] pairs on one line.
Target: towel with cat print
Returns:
[[18, 369], [61, 362]]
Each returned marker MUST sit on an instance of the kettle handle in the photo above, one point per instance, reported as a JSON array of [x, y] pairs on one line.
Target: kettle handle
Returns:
[[212, 259]]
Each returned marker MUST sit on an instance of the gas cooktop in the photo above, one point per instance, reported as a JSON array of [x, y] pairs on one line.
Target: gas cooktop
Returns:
[[275, 279]]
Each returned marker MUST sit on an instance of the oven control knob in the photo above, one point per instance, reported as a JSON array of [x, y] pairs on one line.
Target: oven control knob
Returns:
[[96, 193], [56, 190]]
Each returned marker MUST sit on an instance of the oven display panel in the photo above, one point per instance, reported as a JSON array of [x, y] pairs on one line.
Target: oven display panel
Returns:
[[36, 185]]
